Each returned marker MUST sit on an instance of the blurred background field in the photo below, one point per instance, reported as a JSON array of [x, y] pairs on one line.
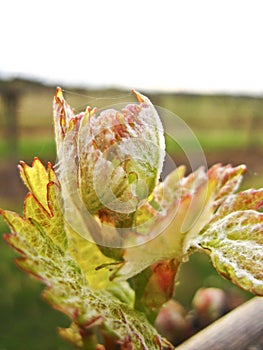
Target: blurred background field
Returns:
[[228, 127]]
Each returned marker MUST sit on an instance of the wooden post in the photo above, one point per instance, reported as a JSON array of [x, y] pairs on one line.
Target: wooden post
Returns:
[[241, 329], [11, 98], [11, 186]]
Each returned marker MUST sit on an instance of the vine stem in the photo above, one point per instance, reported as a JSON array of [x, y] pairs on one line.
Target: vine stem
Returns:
[[90, 342], [240, 329]]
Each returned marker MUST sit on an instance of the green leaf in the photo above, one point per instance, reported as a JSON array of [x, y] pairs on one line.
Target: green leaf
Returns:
[[36, 179], [69, 292], [50, 221], [90, 258], [55, 254], [43, 208], [234, 240]]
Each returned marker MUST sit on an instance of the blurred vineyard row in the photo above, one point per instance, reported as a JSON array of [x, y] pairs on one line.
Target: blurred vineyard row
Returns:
[[229, 128]]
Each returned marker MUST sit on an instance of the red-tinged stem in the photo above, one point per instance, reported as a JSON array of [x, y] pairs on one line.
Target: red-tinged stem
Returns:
[[90, 342]]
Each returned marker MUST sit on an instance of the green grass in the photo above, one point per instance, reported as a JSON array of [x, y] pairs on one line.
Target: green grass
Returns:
[[42, 147], [217, 140]]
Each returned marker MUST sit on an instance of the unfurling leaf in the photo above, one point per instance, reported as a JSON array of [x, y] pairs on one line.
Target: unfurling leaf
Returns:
[[185, 205], [114, 159], [234, 240], [198, 201]]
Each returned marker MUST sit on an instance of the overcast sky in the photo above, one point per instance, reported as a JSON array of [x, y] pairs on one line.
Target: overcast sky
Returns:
[[189, 45]]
